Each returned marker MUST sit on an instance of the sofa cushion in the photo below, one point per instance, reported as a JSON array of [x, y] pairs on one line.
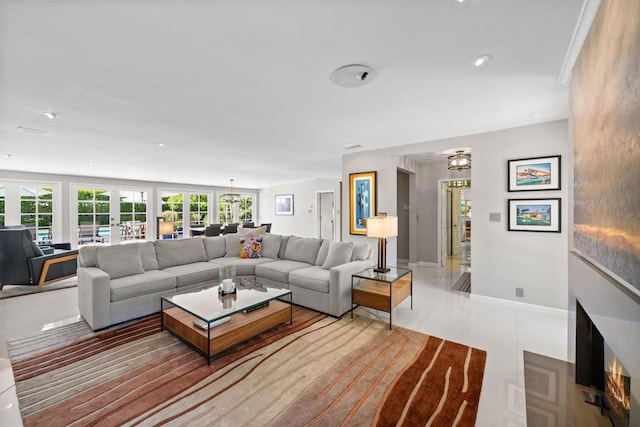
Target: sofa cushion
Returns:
[[233, 244], [278, 271], [253, 232], [216, 247], [302, 249], [88, 256], [179, 252], [315, 278], [119, 261], [283, 246], [250, 247], [142, 284], [361, 251], [196, 272], [339, 253], [244, 267], [148, 254], [271, 245], [322, 253]]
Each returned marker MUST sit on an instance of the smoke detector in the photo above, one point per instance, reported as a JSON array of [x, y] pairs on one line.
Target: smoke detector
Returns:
[[354, 75]]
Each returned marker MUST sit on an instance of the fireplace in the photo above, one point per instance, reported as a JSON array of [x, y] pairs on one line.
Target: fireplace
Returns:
[[598, 367]]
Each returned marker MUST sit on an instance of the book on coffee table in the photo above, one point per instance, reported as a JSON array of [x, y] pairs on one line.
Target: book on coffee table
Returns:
[[204, 325]]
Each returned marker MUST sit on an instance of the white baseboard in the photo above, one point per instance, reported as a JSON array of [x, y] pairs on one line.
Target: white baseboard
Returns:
[[424, 264]]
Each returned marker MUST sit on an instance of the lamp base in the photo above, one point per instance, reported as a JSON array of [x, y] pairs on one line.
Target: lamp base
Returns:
[[381, 270]]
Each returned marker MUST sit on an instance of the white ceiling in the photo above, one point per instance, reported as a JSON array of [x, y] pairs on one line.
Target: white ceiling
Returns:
[[241, 89]]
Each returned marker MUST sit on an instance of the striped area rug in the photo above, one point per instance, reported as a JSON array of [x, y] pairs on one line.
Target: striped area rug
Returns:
[[319, 371]]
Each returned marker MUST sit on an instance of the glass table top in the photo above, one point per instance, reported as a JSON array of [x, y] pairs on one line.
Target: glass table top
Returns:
[[208, 305], [390, 276]]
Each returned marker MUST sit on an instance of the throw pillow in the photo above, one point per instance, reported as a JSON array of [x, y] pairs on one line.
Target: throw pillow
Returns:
[[271, 245], [360, 251], [250, 247], [339, 253], [120, 261]]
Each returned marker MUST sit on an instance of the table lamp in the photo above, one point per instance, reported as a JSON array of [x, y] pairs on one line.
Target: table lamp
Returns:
[[164, 228], [382, 227]]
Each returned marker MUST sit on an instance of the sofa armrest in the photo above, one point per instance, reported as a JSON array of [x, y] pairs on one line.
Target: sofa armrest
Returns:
[[340, 285], [94, 297], [50, 268]]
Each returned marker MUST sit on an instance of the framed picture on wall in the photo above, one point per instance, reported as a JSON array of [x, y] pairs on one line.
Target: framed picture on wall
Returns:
[[535, 174], [284, 204], [362, 200], [534, 215]]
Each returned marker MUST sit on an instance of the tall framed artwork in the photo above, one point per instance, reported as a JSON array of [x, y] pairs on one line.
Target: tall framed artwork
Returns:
[[362, 200], [534, 174]]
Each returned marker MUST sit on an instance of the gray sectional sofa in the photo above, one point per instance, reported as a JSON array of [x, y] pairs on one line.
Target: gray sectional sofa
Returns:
[[124, 282]]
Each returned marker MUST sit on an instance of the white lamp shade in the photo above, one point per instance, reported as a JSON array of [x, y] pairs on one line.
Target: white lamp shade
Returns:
[[382, 227], [166, 227]]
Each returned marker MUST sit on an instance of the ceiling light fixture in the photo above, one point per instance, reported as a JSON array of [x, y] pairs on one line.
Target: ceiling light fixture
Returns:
[[50, 115], [459, 161], [161, 145], [481, 60], [32, 130], [535, 115], [351, 146], [7, 156], [231, 197], [354, 75]]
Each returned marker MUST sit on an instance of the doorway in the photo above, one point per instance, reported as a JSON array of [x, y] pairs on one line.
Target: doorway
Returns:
[[455, 222], [108, 215], [403, 211], [326, 211]]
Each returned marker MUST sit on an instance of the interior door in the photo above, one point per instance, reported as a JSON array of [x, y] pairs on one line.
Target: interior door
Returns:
[[444, 221], [326, 215], [456, 226]]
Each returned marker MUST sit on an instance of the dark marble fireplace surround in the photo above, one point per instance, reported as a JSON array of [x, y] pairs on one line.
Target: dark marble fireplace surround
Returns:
[[615, 313]]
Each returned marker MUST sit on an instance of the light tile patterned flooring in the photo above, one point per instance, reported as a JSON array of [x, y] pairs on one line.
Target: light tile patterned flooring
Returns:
[[503, 328]]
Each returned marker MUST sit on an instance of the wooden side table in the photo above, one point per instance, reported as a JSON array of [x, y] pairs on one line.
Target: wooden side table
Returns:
[[382, 291]]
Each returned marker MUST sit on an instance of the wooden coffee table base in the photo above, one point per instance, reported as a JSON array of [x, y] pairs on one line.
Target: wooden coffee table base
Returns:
[[239, 328]]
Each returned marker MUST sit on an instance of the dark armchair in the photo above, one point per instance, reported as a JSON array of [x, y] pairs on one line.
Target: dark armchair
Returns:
[[23, 262]]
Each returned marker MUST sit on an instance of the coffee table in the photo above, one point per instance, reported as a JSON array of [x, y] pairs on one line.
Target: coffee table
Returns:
[[225, 320]]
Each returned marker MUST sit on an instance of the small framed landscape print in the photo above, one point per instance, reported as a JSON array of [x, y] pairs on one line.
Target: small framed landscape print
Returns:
[[535, 174], [534, 215], [362, 200], [284, 204]]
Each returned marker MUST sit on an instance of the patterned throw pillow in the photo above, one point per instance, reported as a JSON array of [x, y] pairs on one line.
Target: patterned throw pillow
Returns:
[[250, 247]]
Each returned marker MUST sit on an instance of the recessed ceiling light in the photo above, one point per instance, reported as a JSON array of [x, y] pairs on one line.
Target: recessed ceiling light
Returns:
[[535, 115], [90, 163], [162, 145], [458, 1], [481, 60], [32, 130], [7, 156], [50, 115]]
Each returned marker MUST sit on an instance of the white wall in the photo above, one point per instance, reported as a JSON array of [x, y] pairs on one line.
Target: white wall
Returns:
[[303, 222], [501, 260]]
